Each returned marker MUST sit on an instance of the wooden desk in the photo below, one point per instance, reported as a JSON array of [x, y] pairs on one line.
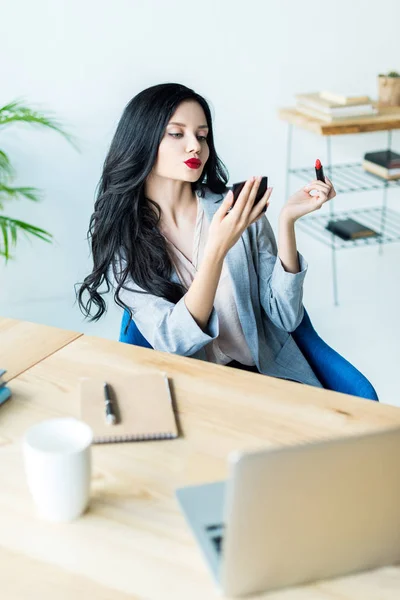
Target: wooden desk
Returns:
[[134, 542], [23, 344]]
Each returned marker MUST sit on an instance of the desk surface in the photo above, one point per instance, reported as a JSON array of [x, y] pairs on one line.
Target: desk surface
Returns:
[[23, 344], [388, 118], [133, 542]]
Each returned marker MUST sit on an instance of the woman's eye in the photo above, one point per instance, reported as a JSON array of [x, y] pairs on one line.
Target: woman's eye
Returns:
[[203, 137]]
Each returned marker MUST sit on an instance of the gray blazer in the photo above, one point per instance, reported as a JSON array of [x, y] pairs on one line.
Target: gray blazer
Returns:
[[268, 300]]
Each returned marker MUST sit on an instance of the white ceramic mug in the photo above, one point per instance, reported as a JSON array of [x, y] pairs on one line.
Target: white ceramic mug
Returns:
[[57, 461]]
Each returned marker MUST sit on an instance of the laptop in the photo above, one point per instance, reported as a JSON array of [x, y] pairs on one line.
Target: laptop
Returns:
[[297, 514]]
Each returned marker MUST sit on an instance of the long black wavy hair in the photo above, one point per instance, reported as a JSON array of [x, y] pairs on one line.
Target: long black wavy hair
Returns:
[[124, 222]]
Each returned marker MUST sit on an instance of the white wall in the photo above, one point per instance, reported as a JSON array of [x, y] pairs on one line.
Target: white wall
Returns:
[[86, 59]]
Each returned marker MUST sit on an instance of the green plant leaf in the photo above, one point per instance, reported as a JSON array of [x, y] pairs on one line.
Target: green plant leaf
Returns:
[[17, 111], [4, 231], [14, 112], [6, 170], [13, 193], [10, 228]]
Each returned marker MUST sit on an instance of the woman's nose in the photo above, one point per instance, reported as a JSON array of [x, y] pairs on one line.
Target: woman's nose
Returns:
[[194, 145]]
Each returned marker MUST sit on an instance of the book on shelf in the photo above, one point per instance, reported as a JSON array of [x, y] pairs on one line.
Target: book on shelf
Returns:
[[383, 163], [349, 229], [316, 106], [316, 114], [384, 158], [343, 99], [317, 101], [389, 174]]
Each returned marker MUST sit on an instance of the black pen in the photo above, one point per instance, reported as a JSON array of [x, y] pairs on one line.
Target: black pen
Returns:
[[111, 418]]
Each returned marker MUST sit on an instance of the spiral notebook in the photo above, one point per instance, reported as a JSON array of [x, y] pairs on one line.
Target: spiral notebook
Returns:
[[142, 402]]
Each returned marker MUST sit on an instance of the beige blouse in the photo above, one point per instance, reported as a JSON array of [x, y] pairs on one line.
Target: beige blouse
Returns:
[[230, 343]]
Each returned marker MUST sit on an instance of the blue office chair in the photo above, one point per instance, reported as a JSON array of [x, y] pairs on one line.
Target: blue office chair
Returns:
[[333, 371], [133, 335]]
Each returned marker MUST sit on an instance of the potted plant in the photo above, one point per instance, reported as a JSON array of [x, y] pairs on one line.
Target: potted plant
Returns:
[[14, 112], [389, 89]]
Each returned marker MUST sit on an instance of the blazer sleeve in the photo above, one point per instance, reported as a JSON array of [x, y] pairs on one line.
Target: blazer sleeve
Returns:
[[167, 327], [281, 292]]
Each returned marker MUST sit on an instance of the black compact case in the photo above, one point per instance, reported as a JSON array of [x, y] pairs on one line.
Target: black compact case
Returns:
[[237, 188]]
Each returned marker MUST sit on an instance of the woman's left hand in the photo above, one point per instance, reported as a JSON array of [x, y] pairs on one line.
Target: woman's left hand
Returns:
[[302, 202]]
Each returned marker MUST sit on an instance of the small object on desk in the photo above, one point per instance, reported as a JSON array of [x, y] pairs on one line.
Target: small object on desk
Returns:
[[144, 409], [319, 171], [349, 229], [111, 417], [57, 460], [5, 392]]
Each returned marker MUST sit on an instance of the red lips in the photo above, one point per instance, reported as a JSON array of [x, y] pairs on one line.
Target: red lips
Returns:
[[193, 163]]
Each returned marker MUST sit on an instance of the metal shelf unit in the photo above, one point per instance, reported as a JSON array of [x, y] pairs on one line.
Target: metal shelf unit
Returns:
[[347, 178]]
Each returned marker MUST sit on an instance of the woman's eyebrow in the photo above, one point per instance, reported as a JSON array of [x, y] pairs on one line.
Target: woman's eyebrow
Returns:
[[183, 125]]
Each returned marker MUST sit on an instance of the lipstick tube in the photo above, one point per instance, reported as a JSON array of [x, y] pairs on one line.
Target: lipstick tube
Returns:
[[319, 171]]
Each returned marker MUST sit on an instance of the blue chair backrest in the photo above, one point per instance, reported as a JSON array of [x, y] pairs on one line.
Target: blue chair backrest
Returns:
[[132, 335], [333, 371]]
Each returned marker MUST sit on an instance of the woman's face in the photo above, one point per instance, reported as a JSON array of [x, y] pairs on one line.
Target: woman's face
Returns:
[[185, 138]]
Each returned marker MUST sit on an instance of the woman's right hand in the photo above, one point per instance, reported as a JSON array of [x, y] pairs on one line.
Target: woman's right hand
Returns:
[[227, 227]]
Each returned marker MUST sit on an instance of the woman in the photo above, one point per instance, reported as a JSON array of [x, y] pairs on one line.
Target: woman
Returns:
[[200, 278]]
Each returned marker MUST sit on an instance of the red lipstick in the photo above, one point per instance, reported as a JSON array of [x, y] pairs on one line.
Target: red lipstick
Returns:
[[193, 163], [319, 171]]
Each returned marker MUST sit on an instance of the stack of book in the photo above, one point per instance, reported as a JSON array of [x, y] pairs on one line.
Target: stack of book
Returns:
[[332, 107], [383, 163], [5, 392]]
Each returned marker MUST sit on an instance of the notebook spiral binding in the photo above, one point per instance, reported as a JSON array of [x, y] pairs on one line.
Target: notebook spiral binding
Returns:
[[136, 438]]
